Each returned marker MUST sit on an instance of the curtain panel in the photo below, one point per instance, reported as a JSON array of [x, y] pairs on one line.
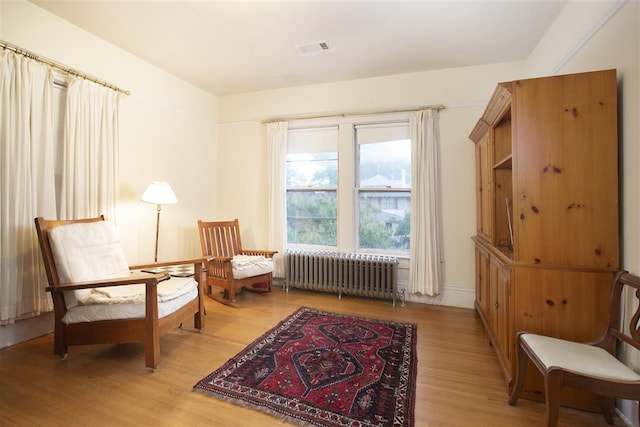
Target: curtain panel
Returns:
[[28, 171], [277, 146], [27, 182], [426, 265], [90, 151]]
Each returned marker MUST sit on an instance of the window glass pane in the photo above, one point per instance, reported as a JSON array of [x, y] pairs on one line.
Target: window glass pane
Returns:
[[384, 220], [385, 164], [312, 218], [312, 170]]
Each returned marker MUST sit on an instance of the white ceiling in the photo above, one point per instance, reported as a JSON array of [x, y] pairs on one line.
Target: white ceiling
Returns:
[[229, 47]]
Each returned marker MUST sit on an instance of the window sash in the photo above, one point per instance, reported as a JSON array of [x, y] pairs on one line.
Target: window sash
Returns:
[[344, 140]]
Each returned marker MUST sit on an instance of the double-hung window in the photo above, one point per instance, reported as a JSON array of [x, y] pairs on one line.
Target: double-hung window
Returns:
[[312, 187], [348, 185]]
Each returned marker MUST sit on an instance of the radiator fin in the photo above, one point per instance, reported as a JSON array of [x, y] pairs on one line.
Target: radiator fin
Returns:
[[374, 276]]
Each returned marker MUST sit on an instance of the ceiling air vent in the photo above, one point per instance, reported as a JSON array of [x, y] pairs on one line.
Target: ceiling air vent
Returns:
[[313, 48]]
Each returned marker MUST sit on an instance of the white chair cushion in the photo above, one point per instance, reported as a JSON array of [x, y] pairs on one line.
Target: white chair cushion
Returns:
[[92, 251], [135, 294], [90, 313], [87, 251], [577, 357], [249, 266]]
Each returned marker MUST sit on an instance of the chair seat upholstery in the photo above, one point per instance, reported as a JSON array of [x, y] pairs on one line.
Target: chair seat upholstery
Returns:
[[579, 358], [92, 251], [250, 266], [87, 251], [97, 312]]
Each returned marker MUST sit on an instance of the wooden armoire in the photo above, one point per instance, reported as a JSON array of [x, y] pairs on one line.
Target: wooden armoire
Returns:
[[547, 240]]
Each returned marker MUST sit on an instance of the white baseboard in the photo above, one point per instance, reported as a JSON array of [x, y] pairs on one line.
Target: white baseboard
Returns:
[[454, 296]]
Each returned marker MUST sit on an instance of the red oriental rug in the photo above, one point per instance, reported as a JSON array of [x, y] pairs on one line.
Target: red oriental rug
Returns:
[[325, 369]]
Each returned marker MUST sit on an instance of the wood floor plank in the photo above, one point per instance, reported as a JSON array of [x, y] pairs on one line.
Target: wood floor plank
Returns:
[[459, 382]]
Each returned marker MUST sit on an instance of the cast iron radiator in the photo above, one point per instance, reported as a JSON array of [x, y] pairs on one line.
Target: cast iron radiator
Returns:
[[374, 276]]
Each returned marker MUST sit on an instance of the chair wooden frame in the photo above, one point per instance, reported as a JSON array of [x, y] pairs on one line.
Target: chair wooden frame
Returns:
[[605, 389], [148, 329], [220, 242]]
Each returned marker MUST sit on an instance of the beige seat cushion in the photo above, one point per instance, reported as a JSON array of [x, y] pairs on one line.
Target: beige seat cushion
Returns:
[[250, 266], [92, 251], [85, 252], [577, 357]]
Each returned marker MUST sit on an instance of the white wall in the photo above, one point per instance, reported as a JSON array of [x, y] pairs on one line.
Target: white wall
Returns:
[[242, 188], [167, 132]]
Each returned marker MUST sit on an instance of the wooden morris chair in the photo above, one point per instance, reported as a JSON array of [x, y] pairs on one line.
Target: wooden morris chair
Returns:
[[97, 297], [590, 367], [231, 267]]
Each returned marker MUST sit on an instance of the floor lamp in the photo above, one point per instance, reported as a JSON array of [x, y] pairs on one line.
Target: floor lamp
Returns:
[[158, 193]]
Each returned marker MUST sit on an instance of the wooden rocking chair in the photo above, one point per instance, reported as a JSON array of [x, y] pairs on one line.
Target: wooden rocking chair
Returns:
[[144, 320], [221, 244]]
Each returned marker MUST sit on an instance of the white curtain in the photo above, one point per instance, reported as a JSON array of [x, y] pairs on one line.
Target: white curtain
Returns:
[[26, 181], [277, 143], [90, 151], [426, 266]]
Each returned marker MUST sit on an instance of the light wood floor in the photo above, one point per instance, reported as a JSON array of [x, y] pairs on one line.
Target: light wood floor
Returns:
[[459, 382]]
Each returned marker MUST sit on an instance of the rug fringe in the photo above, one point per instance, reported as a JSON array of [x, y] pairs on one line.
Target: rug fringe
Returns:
[[239, 402]]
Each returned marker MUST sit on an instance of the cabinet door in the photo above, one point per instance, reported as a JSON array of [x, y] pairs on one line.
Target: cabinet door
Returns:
[[566, 182], [501, 326], [568, 304], [484, 167], [482, 282], [505, 333]]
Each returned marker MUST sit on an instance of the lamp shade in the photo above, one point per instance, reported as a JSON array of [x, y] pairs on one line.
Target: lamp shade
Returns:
[[159, 193]]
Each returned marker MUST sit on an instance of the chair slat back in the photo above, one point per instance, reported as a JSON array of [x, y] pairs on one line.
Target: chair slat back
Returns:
[[42, 230], [220, 238], [623, 280]]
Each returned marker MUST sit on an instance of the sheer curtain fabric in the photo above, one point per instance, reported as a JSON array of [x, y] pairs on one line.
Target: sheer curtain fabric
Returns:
[[90, 151], [27, 182], [277, 143], [28, 171], [426, 265]]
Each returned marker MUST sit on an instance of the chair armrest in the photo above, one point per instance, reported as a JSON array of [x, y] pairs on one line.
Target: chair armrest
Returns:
[[134, 278], [267, 254], [201, 260], [219, 259]]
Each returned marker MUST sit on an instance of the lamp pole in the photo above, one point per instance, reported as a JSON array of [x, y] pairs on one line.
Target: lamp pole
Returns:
[[158, 193], [158, 208]]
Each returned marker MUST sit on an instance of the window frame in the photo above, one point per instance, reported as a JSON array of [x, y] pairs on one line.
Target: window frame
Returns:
[[348, 188]]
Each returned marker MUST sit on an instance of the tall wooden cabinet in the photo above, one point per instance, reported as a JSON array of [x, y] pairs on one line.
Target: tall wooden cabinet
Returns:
[[547, 240]]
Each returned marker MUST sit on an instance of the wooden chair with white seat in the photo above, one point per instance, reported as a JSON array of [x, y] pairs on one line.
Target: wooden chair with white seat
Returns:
[[99, 299], [231, 267], [591, 367]]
